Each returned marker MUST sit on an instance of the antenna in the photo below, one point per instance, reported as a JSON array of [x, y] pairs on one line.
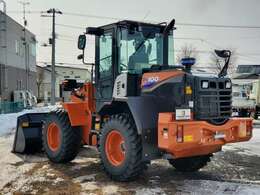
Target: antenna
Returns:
[[26, 57], [146, 15], [24, 4], [4, 5]]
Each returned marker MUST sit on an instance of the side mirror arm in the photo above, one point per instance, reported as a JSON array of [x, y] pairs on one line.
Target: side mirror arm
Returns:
[[226, 54], [82, 57], [224, 70]]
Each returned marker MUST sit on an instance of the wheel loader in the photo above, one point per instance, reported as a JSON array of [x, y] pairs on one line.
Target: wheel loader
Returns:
[[138, 107]]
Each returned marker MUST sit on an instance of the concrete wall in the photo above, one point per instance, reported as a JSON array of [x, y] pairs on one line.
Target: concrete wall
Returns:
[[16, 57]]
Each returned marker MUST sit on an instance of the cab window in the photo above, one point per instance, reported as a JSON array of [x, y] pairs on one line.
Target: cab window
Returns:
[[105, 55]]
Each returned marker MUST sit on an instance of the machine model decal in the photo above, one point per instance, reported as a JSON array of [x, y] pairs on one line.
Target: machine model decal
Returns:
[[150, 81]]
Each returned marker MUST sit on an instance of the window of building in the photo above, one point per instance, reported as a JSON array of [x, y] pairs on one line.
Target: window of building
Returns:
[[77, 77], [17, 47], [33, 49], [66, 77]]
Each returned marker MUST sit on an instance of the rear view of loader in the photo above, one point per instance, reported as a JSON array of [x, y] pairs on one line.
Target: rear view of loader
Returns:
[[139, 106]]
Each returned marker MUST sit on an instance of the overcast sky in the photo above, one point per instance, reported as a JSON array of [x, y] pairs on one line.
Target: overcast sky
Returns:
[[246, 41]]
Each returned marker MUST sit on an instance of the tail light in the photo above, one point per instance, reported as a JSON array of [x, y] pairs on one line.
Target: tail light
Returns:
[[179, 134]]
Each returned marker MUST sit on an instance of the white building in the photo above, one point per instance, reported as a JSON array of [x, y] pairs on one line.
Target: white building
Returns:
[[80, 73]]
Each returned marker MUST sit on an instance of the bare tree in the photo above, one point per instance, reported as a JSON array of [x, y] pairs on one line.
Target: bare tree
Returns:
[[187, 51], [39, 79], [217, 63]]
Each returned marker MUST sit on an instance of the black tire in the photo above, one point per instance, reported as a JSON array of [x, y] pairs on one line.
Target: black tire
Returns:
[[190, 164], [132, 165], [70, 138]]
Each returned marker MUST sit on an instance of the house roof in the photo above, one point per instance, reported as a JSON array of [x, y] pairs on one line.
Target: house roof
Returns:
[[66, 66]]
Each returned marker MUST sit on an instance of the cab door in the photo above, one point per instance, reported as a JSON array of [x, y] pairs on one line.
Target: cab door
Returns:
[[104, 67]]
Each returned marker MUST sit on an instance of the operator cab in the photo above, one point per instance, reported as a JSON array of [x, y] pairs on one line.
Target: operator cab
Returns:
[[128, 47]]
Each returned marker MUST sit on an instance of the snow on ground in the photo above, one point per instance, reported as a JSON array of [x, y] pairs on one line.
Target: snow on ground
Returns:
[[205, 187], [226, 174], [8, 121], [251, 147]]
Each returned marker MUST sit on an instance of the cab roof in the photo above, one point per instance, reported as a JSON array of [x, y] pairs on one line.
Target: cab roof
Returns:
[[133, 23]]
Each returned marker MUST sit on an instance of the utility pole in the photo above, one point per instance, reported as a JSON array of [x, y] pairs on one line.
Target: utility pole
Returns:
[[26, 50], [53, 13]]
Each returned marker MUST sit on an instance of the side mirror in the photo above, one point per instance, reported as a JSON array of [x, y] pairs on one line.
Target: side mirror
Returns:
[[82, 42], [223, 53], [226, 54]]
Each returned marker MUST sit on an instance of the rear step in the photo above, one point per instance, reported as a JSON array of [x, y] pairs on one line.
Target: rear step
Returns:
[[28, 136]]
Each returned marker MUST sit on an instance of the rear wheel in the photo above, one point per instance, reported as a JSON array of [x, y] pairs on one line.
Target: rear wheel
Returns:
[[190, 164], [61, 142], [120, 148]]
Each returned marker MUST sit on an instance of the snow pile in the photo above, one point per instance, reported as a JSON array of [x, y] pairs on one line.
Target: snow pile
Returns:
[[8, 121]]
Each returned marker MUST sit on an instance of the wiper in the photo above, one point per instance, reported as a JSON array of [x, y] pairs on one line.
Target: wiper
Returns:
[[141, 44]]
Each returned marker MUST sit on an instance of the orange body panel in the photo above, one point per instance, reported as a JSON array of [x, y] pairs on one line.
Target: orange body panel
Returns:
[[81, 108], [199, 137]]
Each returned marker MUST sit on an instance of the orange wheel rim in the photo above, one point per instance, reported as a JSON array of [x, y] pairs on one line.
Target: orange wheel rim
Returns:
[[53, 137], [115, 148]]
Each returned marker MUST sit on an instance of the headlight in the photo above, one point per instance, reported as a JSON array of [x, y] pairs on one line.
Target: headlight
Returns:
[[183, 114], [205, 84], [228, 85]]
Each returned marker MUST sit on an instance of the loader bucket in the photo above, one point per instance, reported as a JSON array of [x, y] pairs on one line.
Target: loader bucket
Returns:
[[28, 136]]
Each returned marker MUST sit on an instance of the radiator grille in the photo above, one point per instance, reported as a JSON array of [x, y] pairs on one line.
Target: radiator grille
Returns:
[[214, 102]]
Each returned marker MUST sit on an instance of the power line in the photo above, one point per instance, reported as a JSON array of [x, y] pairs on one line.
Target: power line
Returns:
[[93, 16], [20, 12], [70, 26], [218, 26], [177, 23]]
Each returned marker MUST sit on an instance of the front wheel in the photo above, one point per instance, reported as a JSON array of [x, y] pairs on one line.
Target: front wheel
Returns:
[[190, 164], [61, 142], [120, 148]]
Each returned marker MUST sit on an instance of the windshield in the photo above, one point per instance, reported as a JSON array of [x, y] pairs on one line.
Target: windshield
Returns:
[[142, 49]]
